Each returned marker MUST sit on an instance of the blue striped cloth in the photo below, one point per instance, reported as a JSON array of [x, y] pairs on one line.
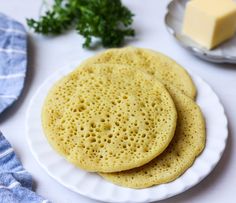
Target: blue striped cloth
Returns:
[[13, 60], [15, 181]]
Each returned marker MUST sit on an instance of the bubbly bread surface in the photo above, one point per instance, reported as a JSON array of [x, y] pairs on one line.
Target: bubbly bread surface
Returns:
[[109, 118], [186, 145], [154, 63]]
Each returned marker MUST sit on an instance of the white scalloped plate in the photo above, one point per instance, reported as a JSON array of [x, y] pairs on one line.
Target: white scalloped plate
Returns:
[[95, 187]]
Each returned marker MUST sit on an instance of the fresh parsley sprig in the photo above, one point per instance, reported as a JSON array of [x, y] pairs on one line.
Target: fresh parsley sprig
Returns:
[[108, 20]]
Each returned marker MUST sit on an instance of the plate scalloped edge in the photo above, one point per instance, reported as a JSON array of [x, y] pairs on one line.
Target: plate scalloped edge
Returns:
[[93, 186]]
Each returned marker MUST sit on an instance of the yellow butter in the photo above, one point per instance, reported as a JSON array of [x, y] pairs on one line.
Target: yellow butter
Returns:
[[210, 22]]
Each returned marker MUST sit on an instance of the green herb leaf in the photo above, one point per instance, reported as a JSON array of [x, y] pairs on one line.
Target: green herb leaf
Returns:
[[108, 20]]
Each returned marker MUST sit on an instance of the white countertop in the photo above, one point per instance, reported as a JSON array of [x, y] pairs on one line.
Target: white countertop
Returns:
[[46, 55]]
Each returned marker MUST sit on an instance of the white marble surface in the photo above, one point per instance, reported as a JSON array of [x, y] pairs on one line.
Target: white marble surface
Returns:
[[46, 55]]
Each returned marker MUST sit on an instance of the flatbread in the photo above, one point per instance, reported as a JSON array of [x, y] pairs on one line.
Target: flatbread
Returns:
[[187, 144], [105, 118], [154, 63]]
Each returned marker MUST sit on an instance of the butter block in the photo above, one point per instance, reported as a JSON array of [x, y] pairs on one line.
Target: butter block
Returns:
[[210, 22]]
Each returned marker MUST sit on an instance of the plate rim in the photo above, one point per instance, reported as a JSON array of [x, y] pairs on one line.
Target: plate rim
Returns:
[[68, 68]]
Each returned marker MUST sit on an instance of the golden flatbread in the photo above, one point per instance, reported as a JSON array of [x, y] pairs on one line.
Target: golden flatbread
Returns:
[[109, 118]]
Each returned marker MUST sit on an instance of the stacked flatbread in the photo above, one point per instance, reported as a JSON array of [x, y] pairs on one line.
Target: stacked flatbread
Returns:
[[128, 114]]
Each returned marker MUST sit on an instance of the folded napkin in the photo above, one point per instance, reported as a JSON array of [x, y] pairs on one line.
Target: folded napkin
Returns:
[[15, 181], [13, 60]]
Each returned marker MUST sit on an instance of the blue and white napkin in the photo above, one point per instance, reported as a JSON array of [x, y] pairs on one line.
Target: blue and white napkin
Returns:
[[13, 60], [15, 181]]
